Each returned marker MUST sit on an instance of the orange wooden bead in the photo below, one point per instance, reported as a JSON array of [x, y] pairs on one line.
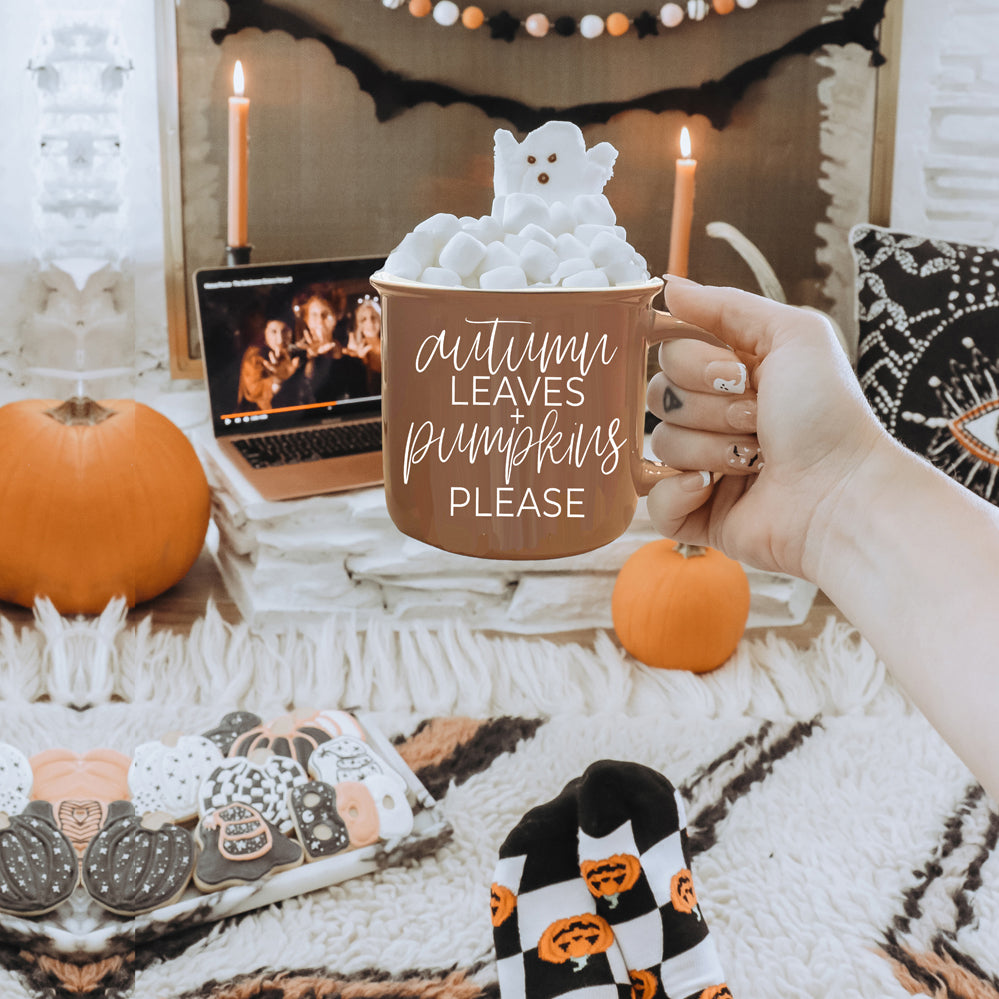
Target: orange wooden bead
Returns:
[[472, 17], [723, 6], [420, 8], [617, 24], [537, 25]]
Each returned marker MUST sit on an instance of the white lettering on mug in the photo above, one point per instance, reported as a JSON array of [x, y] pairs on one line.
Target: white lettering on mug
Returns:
[[505, 501]]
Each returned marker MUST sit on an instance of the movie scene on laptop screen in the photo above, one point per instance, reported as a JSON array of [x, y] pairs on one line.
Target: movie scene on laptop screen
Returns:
[[286, 344]]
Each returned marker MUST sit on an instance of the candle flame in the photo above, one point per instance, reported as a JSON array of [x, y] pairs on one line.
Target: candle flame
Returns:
[[684, 142], [237, 79]]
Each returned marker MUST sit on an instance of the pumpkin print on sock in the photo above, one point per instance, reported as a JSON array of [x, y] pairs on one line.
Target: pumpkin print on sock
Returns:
[[681, 892], [502, 902], [575, 938], [716, 992], [609, 877], [643, 984]]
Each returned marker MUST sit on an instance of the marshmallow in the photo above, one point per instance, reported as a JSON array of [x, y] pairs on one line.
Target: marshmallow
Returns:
[[403, 265], [538, 262], [440, 226], [586, 231], [608, 248], [625, 272], [520, 210], [424, 246], [486, 229], [567, 246], [535, 234], [587, 279], [593, 208], [573, 265], [441, 276], [498, 255], [462, 254], [503, 278], [562, 219]]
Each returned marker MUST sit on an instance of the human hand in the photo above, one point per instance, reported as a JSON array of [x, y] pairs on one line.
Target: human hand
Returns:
[[779, 422]]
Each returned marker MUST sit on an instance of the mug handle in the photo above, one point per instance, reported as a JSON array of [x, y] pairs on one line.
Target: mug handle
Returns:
[[664, 327]]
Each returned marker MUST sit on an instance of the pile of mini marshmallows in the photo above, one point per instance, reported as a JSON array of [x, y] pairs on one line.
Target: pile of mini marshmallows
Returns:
[[550, 225]]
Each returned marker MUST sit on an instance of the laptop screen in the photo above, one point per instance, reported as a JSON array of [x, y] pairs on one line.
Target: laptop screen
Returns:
[[288, 345]]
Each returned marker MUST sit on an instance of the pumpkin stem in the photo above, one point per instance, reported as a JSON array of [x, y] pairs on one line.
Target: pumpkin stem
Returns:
[[689, 551], [79, 411]]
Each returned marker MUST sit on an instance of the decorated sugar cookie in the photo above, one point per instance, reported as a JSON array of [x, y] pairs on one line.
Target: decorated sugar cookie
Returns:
[[239, 845], [347, 758], [97, 775], [297, 735], [38, 866], [15, 779], [137, 863], [166, 776], [320, 828], [230, 728], [80, 820], [263, 785]]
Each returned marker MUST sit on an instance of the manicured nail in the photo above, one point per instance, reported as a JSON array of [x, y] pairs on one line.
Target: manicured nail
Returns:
[[727, 376], [744, 456], [742, 416], [693, 482]]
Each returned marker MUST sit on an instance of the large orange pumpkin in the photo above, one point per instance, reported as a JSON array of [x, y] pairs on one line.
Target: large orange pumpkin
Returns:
[[97, 500], [679, 606]]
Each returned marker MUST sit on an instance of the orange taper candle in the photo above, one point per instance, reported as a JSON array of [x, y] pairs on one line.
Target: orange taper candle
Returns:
[[683, 209], [239, 114]]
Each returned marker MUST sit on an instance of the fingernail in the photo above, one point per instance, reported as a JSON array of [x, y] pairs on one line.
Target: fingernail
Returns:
[[727, 376], [744, 456], [693, 482], [742, 416]]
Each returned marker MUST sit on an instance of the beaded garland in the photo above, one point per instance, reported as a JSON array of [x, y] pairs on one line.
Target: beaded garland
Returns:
[[505, 26]]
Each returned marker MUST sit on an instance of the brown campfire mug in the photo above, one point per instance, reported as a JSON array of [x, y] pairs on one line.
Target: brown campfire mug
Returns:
[[513, 421]]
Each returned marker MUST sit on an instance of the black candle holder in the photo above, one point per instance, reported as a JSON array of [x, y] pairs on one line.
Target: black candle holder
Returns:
[[236, 255]]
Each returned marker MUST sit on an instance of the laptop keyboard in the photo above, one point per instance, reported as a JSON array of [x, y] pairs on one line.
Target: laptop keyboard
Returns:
[[311, 445]]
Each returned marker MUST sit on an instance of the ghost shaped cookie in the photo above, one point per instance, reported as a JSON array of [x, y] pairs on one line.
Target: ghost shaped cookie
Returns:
[[239, 845]]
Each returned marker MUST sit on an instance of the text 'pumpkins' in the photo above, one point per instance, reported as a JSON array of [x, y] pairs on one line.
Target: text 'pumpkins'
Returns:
[[678, 606], [97, 500]]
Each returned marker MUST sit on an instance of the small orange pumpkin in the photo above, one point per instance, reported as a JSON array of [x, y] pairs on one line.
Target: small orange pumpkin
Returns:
[[502, 902], [609, 877], [678, 606], [681, 892], [575, 938], [100, 500], [643, 984]]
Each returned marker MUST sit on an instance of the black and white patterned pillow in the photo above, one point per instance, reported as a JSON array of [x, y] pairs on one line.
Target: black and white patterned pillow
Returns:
[[928, 352]]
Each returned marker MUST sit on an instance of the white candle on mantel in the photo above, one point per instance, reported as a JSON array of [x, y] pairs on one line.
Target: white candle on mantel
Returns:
[[683, 208], [239, 159]]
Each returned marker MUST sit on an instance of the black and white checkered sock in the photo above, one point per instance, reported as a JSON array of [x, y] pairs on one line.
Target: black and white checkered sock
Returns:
[[634, 860], [550, 940]]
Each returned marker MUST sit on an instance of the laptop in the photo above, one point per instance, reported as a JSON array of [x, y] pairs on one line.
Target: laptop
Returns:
[[292, 361]]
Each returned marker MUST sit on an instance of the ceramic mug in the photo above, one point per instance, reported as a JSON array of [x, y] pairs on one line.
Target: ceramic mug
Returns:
[[513, 421]]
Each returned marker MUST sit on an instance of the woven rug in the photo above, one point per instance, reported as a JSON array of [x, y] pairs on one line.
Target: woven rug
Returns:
[[840, 849]]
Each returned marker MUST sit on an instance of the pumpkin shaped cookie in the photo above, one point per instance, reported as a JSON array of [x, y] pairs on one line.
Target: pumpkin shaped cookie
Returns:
[[263, 785], [297, 735], [166, 776], [97, 775], [239, 845], [232, 726], [137, 863], [80, 821], [15, 779], [38, 866]]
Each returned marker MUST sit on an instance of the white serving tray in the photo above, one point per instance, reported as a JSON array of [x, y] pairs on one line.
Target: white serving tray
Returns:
[[81, 928]]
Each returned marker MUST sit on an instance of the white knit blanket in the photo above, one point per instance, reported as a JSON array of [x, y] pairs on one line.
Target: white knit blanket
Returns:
[[840, 849]]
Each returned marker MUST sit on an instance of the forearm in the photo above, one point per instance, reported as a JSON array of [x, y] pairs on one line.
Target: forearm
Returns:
[[911, 558]]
